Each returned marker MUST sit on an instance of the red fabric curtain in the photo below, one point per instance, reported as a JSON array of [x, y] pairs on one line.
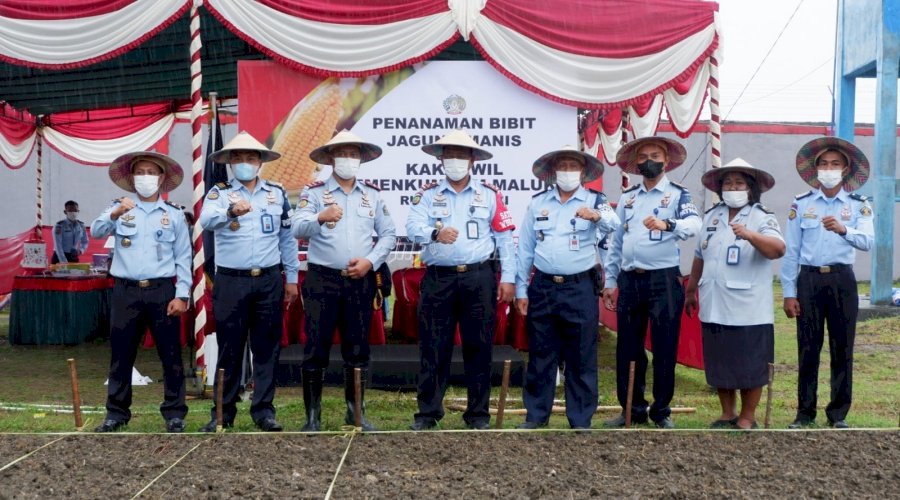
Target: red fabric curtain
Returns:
[[109, 123], [609, 28], [15, 125], [357, 12], [58, 9]]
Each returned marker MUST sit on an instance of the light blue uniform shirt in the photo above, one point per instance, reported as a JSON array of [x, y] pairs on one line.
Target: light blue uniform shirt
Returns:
[[633, 246], [262, 237], [69, 236], [810, 244], [475, 214], [548, 229], [152, 241], [736, 294], [351, 237]]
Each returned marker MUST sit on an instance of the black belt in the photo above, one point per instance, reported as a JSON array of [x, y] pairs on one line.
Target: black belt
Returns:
[[833, 268], [462, 268], [638, 270], [249, 273], [151, 283], [334, 273], [562, 278]]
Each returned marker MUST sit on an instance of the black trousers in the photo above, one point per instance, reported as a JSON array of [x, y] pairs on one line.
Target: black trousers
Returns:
[[132, 310], [331, 301], [830, 299], [655, 297], [249, 307], [70, 256], [449, 298], [562, 326]]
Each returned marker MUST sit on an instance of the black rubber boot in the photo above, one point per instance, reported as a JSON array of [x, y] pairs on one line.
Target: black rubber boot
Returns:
[[312, 399], [350, 397]]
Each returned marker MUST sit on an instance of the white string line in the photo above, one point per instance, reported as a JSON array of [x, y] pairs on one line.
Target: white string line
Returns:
[[163, 473], [23, 457], [341, 464]]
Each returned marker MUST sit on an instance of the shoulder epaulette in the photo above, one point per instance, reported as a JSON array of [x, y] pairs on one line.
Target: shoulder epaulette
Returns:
[[490, 186], [549, 188], [223, 185], [430, 185], [630, 188], [679, 186], [803, 195], [275, 184], [717, 205], [859, 197], [315, 184], [58, 223], [763, 208], [371, 185], [175, 205]]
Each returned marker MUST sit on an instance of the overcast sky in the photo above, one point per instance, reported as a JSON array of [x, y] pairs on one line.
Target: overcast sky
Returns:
[[794, 83]]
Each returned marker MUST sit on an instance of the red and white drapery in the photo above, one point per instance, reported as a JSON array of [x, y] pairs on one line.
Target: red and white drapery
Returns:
[[597, 54]]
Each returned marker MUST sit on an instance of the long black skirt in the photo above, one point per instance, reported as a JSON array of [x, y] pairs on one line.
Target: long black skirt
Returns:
[[738, 357]]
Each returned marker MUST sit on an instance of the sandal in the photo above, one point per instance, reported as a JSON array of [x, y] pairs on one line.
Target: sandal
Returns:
[[724, 424]]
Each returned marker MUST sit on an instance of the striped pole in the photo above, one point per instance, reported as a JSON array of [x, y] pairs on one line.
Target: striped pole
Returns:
[[197, 156], [40, 185], [715, 124]]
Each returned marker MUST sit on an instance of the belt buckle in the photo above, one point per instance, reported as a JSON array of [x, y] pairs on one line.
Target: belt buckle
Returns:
[[255, 272], [825, 269], [462, 268], [344, 273], [144, 283], [639, 270], [559, 279]]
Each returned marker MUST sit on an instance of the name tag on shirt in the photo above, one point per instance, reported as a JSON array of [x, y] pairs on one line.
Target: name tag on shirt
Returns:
[[573, 243], [734, 255], [656, 235], [268, 223], [472, 230]]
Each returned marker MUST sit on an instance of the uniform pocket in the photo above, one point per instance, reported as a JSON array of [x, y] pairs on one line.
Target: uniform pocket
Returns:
[[165, 235], [809, 223]]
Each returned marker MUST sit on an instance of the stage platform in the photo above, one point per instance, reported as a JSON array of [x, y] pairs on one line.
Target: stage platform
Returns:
[[396, 366]]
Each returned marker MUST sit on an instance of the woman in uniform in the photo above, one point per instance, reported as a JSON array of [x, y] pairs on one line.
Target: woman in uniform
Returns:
[[732, 271]]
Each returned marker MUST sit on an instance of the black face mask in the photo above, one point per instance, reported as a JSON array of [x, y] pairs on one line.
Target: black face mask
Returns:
[[650, 168]]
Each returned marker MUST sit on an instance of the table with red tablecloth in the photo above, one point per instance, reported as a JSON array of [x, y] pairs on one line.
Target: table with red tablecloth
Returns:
[[57, 310]]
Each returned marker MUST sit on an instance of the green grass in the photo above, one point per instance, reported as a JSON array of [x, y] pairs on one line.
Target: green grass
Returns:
[[34, 375]]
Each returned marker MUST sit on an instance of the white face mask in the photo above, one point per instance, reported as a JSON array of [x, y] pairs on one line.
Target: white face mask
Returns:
[[736, 199], [456, 168], [72, 216], [830, 178], [568, 181], [346, 168], [146, 185]]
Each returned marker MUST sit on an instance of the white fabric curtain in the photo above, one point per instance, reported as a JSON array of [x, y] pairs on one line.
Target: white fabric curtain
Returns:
[[102, 152]]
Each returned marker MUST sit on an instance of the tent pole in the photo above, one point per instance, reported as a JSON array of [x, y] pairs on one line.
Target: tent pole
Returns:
[[715, 124]]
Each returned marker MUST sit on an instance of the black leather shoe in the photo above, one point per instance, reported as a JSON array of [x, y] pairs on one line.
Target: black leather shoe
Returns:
[[269, 424], [801, 424], [838, 424], [665, 423], [530, 426], [423, 425], [211, 426], [110, 425], [620, 421], [479, 425], [175, 425]]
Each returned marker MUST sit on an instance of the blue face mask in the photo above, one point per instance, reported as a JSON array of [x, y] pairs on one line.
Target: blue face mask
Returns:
[[245, 171]]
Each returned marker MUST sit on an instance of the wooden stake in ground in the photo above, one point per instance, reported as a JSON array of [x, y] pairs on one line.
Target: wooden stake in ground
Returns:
[[769, 396], [630, 394], [220, 381], [357, 397], [504, 387], [76, 396]]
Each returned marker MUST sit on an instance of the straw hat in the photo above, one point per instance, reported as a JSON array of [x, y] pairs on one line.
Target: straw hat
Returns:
[[457, 138], [543, 166], [367, 151], [627, 156], [244, 142], [811, 151], [713, 178], [120, 170]]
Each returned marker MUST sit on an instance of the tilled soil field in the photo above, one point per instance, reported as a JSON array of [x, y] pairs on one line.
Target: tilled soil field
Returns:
[[681, 464]]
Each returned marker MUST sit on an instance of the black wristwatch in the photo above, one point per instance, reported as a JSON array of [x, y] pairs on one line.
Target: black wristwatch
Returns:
[[670, 225], [434, 234], [229, 213], [186, 299]]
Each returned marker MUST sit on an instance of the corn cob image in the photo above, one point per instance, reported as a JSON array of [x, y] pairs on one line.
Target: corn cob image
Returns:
[[309, 125]]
